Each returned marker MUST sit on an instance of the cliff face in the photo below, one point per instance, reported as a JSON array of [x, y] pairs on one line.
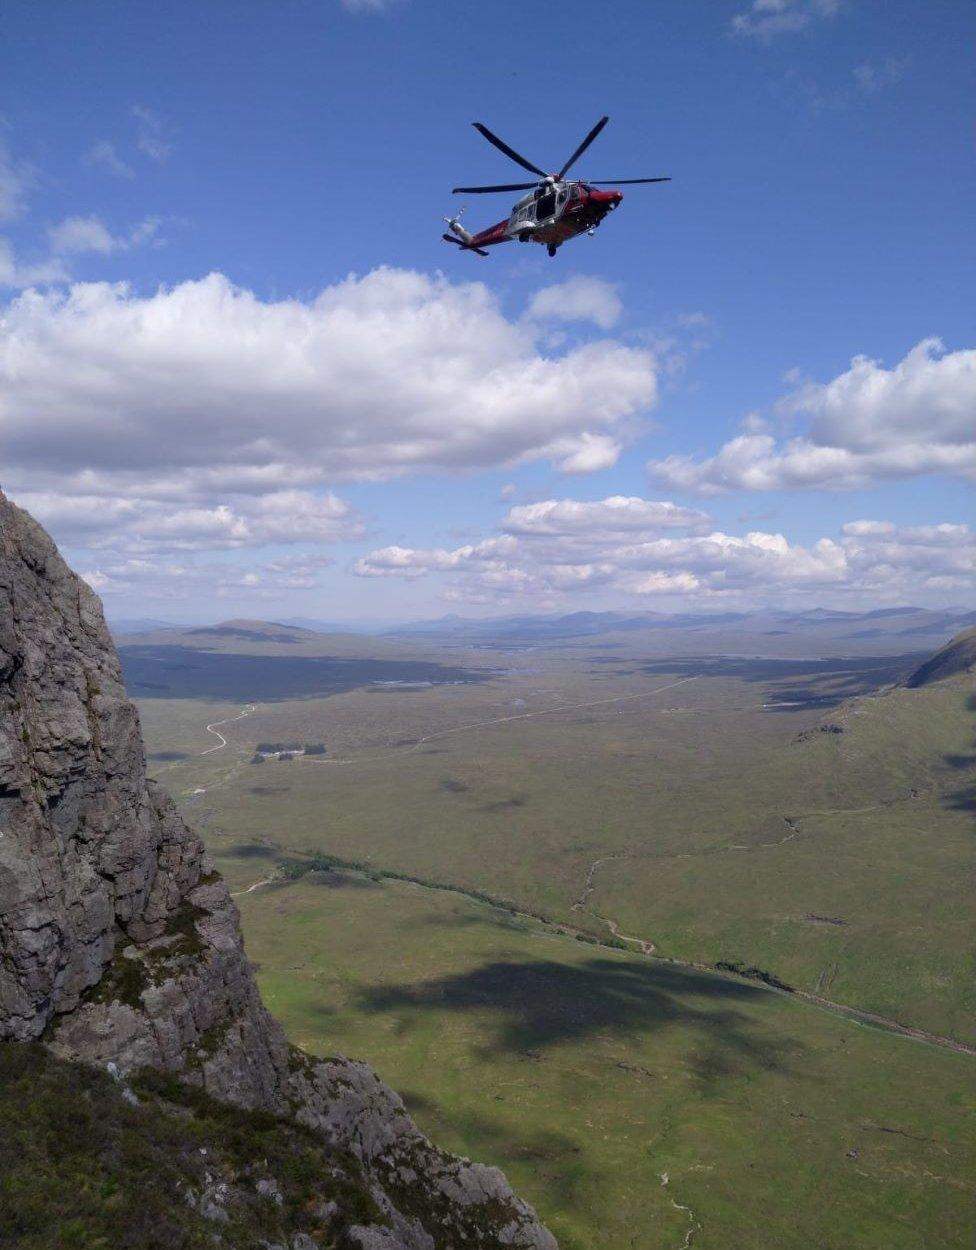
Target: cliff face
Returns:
[[120, 945]]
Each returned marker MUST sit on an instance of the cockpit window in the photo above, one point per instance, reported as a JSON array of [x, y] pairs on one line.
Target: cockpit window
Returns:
[[546, 205]]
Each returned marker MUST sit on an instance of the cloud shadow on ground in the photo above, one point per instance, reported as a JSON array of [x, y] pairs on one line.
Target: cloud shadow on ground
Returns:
[[539, 1004]]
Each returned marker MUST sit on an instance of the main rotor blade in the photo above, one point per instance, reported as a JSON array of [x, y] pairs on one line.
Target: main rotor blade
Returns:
[[621, 182], [584, 145], [511, 186], [509, 152]]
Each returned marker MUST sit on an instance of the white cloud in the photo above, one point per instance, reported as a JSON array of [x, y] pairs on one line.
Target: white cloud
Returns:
[[159, 579], [377, 376], [604, 520], [578, 299], [106, 156], [765, 19], [585, 453], [367, 6], [90, 234], [553, 552], [81, 234], [867, 424], [151, 139], [136, 524], [408, 562], [202, 419], [15, 273]]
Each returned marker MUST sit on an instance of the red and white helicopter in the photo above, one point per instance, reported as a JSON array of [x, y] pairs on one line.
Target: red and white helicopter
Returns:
[[556, 210]]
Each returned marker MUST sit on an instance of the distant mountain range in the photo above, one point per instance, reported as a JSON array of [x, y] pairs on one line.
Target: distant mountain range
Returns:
[[910, 623], [904, 622]]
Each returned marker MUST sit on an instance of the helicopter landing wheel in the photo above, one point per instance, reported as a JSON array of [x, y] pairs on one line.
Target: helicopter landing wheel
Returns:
[[551, 249], [524, 236]]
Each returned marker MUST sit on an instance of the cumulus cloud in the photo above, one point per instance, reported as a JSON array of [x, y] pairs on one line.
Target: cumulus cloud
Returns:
[[585, 453], [90, 234], [202, 419], [136, 524], [765, 19], [630, 547], [867, 424], [600, 521], [375, 377], [578, 299]]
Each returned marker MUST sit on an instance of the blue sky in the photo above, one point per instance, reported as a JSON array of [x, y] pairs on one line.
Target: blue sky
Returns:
[[209, 447]]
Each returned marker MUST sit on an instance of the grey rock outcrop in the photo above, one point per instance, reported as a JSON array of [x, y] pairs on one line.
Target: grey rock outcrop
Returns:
[[120, 945]]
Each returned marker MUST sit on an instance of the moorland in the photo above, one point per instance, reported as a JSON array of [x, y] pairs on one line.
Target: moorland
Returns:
[[672, 920]]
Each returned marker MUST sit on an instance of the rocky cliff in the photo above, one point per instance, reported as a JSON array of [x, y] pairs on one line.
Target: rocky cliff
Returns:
[[120, 946]]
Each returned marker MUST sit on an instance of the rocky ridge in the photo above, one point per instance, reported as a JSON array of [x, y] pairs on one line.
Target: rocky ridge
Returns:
[[120, 945]]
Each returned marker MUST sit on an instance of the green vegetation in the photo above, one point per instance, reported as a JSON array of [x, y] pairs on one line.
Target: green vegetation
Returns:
[[588, 1074], [84, 1165], [123, 981], [450, 875], [719, 825]]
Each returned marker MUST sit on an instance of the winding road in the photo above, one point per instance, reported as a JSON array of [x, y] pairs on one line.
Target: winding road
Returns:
[[212, 728]]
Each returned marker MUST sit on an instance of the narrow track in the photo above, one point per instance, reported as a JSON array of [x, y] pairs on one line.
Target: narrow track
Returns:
[[212, 728]]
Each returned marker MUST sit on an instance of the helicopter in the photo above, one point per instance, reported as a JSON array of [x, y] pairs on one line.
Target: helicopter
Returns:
[[554, 210]]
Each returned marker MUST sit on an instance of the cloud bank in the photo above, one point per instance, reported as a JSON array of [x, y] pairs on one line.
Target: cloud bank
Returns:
[[866, 425], [375, 377], [631, 547]]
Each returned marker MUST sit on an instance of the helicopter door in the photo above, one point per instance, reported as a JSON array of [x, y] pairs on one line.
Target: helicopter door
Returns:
[[545, 205]]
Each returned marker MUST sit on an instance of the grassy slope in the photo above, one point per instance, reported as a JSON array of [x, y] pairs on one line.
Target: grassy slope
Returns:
[[588, 1074]]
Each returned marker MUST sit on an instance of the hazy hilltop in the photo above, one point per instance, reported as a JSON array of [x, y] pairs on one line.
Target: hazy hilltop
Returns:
[[957, 656], [889, 630]]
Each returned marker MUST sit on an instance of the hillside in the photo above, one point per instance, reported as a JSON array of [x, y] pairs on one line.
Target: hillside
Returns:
[[957, 656], [120, 949]]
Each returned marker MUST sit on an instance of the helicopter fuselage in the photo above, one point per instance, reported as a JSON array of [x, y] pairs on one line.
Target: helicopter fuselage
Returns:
[[551, 214]]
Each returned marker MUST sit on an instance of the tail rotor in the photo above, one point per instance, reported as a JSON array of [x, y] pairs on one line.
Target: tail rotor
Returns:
[[463, 238], [455, 227]]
